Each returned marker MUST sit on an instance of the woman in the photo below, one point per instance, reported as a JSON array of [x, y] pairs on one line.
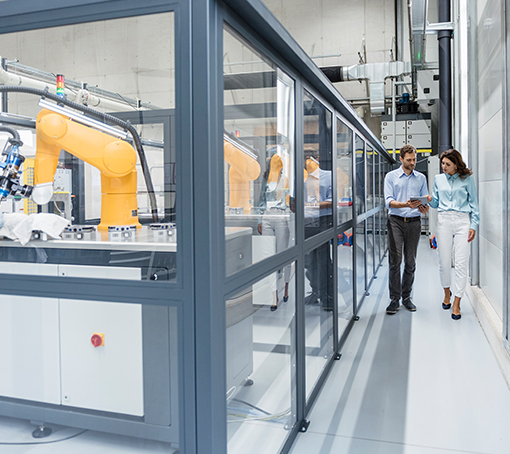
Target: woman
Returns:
[[454, 195]]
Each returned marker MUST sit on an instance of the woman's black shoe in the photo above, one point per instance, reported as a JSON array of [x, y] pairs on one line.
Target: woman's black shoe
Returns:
[[285, 299], [273, 308], [456, 317], [447, 306]]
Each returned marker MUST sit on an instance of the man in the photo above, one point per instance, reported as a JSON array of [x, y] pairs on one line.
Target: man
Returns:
[[404, 226], [318, 218]]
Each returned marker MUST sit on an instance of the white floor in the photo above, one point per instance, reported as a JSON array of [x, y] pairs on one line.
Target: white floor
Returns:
[[412, 383]]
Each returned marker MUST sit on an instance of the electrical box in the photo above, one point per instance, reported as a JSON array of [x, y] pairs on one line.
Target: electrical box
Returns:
[[428, 84], [412, 129]]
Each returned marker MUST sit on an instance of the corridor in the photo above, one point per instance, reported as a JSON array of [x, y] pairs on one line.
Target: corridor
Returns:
[[412, 383]]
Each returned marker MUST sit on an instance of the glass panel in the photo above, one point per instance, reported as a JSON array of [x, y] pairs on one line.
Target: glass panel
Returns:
[[377, 181], [261, 377], [101, 363], [344, 171], [345, 280], [318, 197], [360, 175], [259, 155], [377, 231], [360, 261], [318, 311], [370, 247], [106, 187], [370, 177]]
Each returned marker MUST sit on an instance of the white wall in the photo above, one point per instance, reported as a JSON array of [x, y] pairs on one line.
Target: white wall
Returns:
[[490, 149]]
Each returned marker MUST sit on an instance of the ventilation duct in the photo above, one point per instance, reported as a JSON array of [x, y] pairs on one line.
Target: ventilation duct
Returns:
[[375, 73]]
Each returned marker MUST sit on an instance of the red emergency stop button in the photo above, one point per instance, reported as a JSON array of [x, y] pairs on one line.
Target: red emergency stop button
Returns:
[[97, 339]]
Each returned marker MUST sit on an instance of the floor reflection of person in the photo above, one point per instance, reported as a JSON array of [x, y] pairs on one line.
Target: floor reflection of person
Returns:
[[274, 221], [318, 218]]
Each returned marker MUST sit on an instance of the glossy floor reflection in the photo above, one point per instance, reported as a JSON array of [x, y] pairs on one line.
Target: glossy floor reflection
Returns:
[[412, 383]]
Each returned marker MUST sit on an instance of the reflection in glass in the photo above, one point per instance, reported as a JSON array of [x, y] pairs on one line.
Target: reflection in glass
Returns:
[[318, 197], [370, 247], [260, 370], [370, 178], [344, 171], [259, 157], [345, 280], [318, 311], [360, 261], [360, 175], [377, 232], [116, 190], [377, 179]]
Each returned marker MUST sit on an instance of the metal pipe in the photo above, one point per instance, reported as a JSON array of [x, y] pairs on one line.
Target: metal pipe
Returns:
[[4, 107], [445, 79], [394, 116]]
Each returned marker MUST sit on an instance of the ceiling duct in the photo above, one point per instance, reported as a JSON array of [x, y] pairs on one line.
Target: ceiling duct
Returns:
[[375, 73], [418, 24]]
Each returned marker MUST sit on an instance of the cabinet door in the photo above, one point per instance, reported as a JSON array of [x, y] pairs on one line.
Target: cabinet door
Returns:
[[29, 350], [108, 377]]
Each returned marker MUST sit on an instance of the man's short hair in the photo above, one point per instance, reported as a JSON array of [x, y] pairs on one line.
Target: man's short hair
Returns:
[[406, 149]]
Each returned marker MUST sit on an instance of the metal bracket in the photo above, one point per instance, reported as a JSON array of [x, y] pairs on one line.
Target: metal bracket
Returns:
[[337, 356], [438, 27], [356, 318], [304, 425]]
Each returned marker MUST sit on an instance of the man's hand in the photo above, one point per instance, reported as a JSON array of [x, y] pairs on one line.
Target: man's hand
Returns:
[[414, 204], [471, 236], [423, 209], [259, 228]]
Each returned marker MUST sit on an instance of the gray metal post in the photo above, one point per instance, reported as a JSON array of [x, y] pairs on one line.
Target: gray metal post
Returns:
[[4, 107], [445, 78]]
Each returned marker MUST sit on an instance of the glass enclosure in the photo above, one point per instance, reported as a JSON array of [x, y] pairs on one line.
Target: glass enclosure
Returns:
[[161, 231], [258, 155], [345, 280], [98, 148], [361, 258], [360, 175], [261, 372], [344, 146], [318, 312], [318, 152]]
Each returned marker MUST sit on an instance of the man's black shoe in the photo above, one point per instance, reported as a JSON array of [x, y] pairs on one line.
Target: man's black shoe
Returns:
[[312, 298], [393, 308], [408, 304]]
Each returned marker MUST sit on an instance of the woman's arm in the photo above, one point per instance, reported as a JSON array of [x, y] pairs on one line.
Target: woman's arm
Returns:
[[474, 214], [434, 201]]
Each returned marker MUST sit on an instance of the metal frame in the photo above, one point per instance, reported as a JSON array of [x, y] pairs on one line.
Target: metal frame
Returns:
[[506, 175]]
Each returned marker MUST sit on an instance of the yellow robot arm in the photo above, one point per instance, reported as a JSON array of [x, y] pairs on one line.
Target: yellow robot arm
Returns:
[[243, 169], [114, 158]]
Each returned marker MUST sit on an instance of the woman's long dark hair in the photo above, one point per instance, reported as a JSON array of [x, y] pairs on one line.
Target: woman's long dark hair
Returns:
[[456, 158]]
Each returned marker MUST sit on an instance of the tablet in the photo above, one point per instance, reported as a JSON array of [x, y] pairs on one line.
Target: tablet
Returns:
[[424, 200]]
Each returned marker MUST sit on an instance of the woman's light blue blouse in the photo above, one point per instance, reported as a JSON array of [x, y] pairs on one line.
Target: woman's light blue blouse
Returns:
[[452, 193]]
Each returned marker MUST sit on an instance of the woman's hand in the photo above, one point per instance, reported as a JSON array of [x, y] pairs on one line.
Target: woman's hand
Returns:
[[259, 228], [471, 235], [429, 198]]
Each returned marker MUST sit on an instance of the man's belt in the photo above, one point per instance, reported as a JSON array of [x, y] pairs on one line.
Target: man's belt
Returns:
[[402, 218]]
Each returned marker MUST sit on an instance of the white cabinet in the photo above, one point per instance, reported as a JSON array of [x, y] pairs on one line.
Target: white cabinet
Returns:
[[47, 354], [29, 349]]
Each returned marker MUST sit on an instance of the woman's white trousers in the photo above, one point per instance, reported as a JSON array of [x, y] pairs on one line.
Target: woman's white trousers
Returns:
[[453, 248]]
